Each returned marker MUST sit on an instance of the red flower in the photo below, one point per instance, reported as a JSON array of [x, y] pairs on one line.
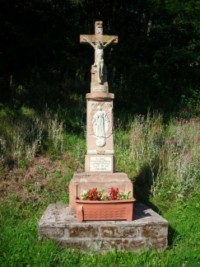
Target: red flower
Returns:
[[114, 193], [93, 194]]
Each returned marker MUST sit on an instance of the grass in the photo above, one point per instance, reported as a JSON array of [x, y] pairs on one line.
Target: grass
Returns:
[[19, 246], [162, 158]]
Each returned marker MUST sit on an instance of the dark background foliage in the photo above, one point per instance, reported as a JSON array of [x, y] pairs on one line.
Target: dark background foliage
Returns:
[[154, 66]]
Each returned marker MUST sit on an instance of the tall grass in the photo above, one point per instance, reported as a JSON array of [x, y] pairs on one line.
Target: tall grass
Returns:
[[26, 140], [23, 136], [168, 155], [179, 159]]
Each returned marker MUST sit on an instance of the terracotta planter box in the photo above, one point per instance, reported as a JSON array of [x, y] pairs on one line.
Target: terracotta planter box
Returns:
[[89, 210]]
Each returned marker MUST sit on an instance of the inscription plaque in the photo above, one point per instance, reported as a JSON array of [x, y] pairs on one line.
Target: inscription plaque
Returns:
[[98, 164], [100, 88]]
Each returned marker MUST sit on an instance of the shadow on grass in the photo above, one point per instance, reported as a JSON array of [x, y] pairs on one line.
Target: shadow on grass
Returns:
[[142, 191]]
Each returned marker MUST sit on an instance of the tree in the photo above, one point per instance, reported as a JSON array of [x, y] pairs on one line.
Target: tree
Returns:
[[155, 64]]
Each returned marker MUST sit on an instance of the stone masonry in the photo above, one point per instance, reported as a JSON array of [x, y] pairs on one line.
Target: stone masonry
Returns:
[[147, 230]]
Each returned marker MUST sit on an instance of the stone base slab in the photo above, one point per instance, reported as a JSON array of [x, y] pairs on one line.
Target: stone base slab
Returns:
[[147, 230], [81, 182]]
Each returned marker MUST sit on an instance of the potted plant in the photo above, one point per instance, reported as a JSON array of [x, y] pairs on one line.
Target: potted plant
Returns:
[[97, 205]]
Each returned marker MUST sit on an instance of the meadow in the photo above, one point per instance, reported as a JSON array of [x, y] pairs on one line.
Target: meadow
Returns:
[[39, 153]]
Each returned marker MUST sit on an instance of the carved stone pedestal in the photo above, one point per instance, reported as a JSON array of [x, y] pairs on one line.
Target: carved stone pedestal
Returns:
[[84, 181]]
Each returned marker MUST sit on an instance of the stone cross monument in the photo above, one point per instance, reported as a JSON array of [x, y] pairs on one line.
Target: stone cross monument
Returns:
[[99, 159], [59, 222]]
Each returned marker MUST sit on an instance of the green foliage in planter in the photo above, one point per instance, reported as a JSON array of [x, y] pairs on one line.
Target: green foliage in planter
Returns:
[[101, 195]]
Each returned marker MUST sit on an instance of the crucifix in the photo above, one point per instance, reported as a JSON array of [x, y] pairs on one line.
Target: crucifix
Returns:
[[99, 42]]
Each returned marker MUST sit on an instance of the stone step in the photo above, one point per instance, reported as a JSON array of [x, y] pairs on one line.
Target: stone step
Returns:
[[147, 230]]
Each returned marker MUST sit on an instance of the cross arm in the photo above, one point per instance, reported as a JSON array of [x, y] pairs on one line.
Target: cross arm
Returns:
[[102, 38]]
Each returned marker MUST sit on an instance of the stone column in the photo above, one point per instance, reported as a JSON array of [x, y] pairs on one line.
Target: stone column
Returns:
[[100, 149]]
